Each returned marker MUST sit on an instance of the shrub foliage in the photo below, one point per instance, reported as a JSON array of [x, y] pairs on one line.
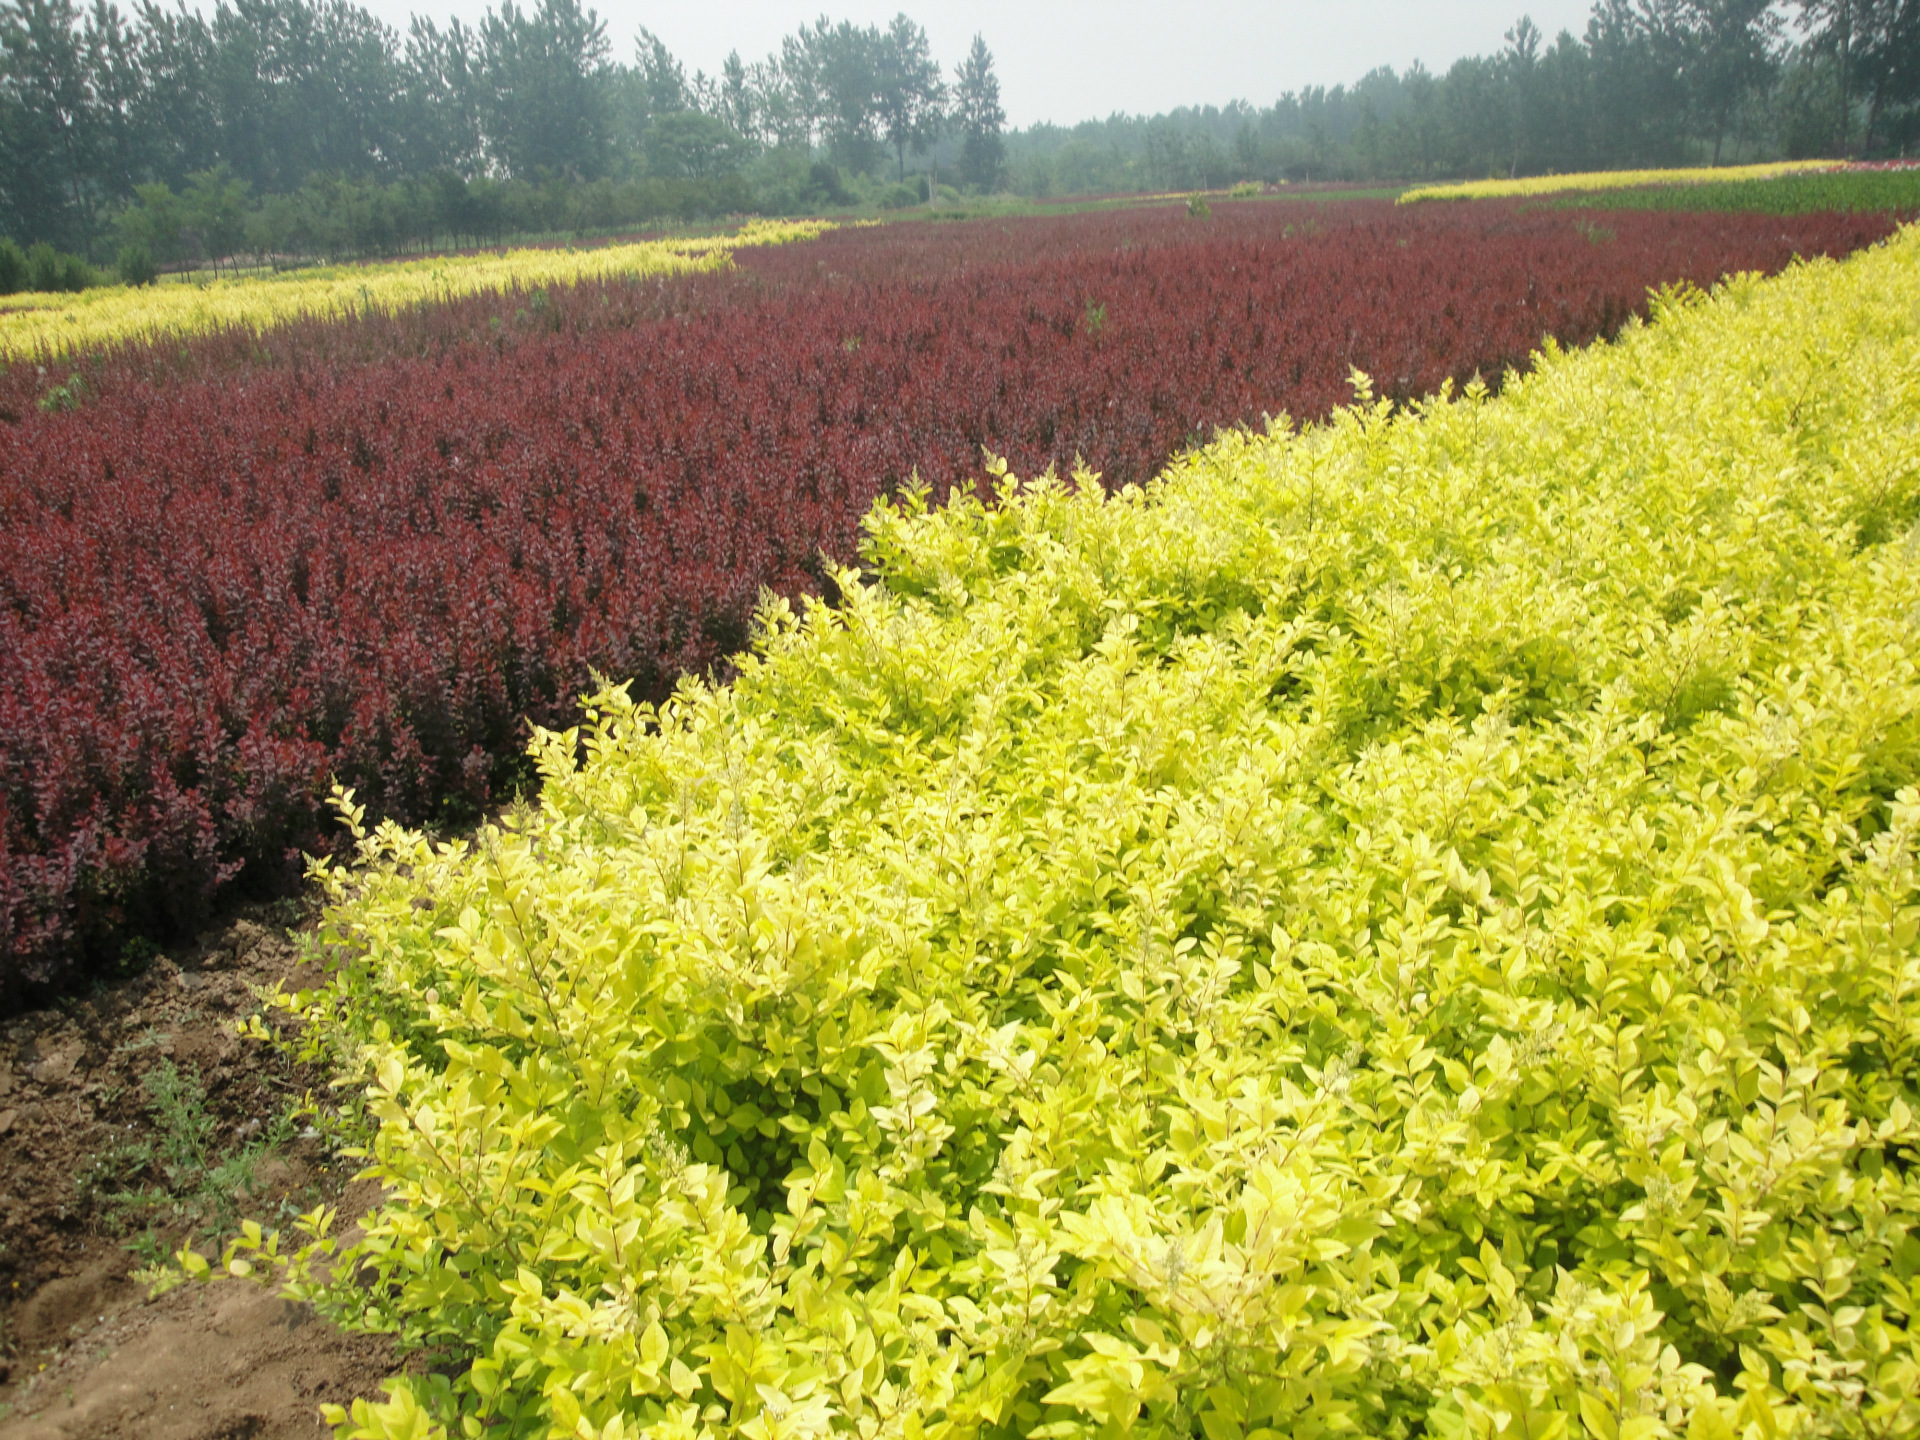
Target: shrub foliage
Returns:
[[1897, 191], [216, 592], [1596, 180], [1407, 928], [137, 310]]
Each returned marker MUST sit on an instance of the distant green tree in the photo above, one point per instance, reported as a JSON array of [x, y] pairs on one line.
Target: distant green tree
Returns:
[[297, 86], [1895, 73], [690, 145], [785, 107], [1479, 117], [438, 101], [1874, 47], [825, 187], [1520, 73], [1246, 152], [663, 79], [156, 222], [215, 209], [1730, 60], [54, 271], [127, 146], [910, 96], [833, 71], [1369, 139], [49, 136], [176, 111], [451, 206], [337, 216], [1564, 99], [136, 266], [1416, 135], [737, 105], [1831, 28], [1638, 113], [542, 103], [1166, 154], [980, 119]]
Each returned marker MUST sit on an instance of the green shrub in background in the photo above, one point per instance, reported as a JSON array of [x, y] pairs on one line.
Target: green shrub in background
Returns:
[[13, 268], [53, 271], [1406, 929], [136, 266]]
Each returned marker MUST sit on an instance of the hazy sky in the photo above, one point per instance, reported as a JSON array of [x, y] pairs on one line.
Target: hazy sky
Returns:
[[1069, 60]]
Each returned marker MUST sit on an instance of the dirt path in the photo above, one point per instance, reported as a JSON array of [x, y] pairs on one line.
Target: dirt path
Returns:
[[131, 1120]]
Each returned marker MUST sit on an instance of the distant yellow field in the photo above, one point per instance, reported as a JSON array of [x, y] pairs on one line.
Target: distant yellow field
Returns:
[[1606, 180], [51, 325]]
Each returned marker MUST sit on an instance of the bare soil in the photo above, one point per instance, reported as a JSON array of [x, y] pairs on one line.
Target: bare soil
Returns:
[[133, 1120]]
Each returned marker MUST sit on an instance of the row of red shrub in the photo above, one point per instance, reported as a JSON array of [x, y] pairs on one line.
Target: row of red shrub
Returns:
[[296, 561]]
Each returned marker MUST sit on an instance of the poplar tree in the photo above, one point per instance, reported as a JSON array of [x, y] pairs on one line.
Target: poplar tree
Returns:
[[977, 110], [910, 96]]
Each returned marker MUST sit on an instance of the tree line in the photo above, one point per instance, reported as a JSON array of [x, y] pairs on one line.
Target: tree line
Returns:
[[310, 128], [1649, 83]]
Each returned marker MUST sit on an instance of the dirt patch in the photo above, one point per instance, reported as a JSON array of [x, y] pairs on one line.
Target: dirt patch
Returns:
[[214, 1362], [134, 1119]]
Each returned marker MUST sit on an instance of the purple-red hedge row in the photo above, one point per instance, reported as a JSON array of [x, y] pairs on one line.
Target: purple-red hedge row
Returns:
[[296, 559]]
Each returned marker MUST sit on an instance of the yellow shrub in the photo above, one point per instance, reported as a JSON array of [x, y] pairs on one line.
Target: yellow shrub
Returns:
[[1411, 928], [1606, 180], [51, 325]]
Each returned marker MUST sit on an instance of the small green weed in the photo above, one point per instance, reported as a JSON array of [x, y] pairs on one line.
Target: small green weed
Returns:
[[149, 1248], [135, 957], [178, 1173], [63, 398]]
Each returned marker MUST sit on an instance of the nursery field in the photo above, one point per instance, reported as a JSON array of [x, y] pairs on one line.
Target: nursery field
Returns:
[[1404, 928], [237, 566]]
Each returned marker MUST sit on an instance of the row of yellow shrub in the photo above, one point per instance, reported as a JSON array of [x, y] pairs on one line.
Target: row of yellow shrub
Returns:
[[35, 325], [1607, 180], [1410, 928]]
